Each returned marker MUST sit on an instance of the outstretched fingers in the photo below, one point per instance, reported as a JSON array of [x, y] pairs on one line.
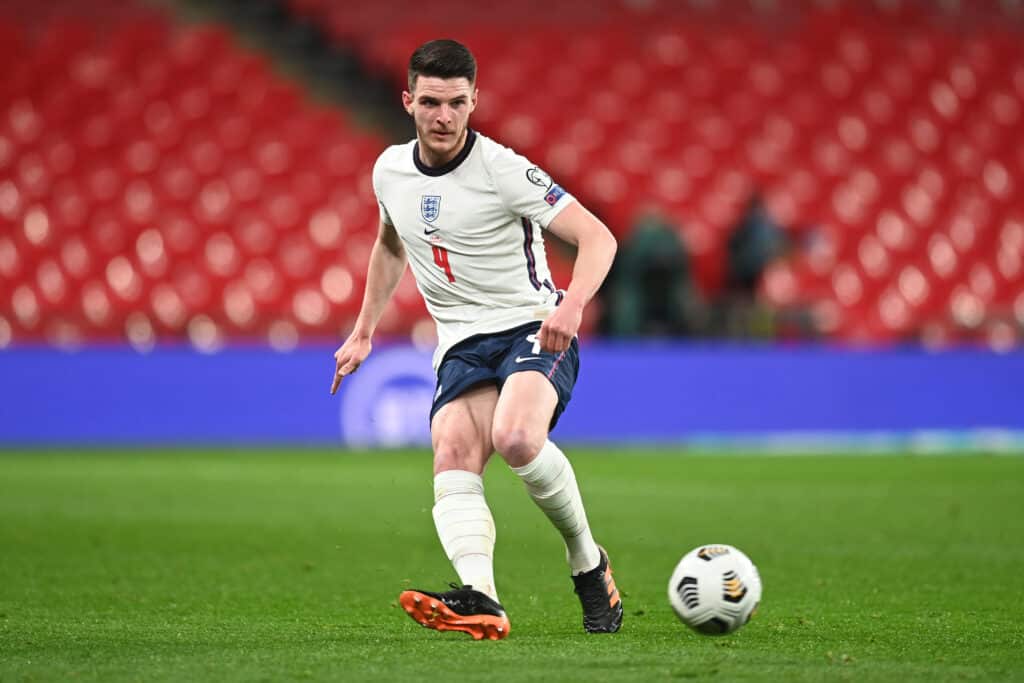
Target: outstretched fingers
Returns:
[[343, 366]]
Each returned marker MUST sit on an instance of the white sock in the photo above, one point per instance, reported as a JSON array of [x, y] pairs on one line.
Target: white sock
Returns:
[[466, 528], [551, 483]]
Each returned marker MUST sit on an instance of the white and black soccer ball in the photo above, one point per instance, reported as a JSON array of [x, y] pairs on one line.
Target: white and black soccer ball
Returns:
[[714, 589]]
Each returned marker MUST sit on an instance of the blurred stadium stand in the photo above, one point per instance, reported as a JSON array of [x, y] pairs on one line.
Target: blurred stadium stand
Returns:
[[158, 181]]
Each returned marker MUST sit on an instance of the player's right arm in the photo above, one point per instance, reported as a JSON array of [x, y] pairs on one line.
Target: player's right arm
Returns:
[[387, 265]]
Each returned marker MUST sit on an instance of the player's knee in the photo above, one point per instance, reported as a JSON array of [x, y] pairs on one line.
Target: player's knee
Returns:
[[453, 455], [517, 444]]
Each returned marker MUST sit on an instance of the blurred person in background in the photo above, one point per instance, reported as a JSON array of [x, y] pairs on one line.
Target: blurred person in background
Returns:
[[466, 213], [754, 244], [650, 291]]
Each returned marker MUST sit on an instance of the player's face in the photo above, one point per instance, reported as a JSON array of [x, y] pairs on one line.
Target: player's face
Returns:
[[440, 108]]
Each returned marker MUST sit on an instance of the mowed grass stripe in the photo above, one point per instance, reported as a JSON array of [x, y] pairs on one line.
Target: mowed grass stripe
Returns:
[[281, 565]]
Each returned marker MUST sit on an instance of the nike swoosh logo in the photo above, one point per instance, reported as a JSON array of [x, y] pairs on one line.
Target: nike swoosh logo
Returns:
[[520, 359], [430, 232]]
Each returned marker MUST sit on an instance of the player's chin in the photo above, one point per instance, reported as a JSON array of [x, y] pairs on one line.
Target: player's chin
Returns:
[[442, 144]]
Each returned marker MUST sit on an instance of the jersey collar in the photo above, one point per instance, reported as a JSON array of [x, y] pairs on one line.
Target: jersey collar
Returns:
[[451, 165]]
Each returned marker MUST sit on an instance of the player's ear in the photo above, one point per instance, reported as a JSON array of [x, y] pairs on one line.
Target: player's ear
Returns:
[[472, 98], [407, 101]]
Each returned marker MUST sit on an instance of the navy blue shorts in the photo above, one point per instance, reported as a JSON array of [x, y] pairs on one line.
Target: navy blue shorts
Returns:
[[491, 358]]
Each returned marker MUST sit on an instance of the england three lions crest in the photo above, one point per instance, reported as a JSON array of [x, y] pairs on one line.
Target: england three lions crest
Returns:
[[430, 207]]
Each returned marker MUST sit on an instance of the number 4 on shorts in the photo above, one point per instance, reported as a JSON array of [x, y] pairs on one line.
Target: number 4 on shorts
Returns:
[[536, 342]]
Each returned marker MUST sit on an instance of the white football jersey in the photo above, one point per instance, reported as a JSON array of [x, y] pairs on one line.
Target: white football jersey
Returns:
[[472, 232]]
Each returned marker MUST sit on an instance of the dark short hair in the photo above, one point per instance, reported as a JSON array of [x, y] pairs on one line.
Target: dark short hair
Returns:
[[442, 59]]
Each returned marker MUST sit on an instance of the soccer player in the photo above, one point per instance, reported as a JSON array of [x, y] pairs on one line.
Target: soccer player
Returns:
[[466, 213]]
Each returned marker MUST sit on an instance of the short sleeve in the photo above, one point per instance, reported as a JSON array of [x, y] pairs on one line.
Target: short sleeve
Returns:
[[385, 217], [525, 189]]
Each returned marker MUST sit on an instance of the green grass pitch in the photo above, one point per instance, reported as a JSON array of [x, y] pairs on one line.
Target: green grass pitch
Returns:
[[286, 565]]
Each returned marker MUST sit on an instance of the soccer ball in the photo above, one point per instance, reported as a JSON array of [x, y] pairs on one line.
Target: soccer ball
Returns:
[[714, 589]]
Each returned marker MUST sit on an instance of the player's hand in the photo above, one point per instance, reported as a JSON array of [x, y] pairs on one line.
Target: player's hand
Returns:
[[348, 358], [558, 329]]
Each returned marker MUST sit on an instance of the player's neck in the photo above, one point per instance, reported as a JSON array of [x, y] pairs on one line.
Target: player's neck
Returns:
[[436, 161]]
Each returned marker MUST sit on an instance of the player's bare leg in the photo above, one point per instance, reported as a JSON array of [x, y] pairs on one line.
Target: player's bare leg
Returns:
[[462, 445], [520, 434], [461, 437]]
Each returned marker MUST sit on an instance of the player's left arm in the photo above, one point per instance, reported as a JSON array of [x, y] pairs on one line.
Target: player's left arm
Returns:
[[595, 251]]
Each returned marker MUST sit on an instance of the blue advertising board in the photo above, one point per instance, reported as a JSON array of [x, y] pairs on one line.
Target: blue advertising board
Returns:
[[627, 392]]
